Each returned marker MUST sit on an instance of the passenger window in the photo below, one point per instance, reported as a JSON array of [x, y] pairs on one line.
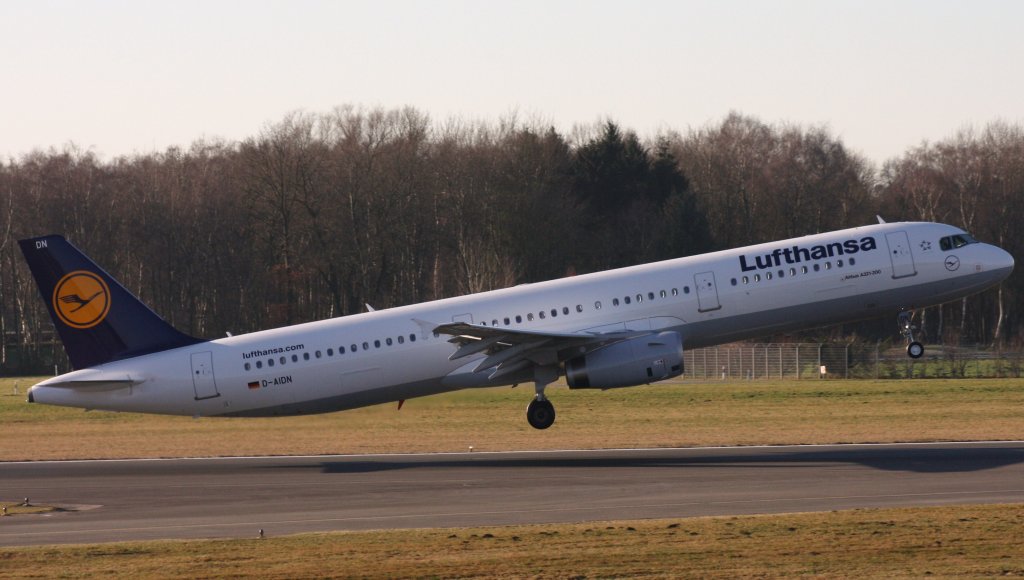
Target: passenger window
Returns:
[[412, 338], [757, 277], [597, 305], [353, 348], [295, 358], [330, 352], [767, 275], [828, 265], [734, 281], [792, 271], [507, 322], [675, 292], [529, 317], [317, 354], [853, 261], [376, 344], [259, 364], [817, 267], [663, 294], [839, 263], [639, 298], [270, 362], [387, 341], [283, 360], [650, 295], [519, 319], [366, 346], [782, 273], [494, 322], [305, 356], [686, 289], [248, 366], [615, 301], [579, 308], [746, 280], [803, 269], [401, 339], [626, 300], [542, 315]]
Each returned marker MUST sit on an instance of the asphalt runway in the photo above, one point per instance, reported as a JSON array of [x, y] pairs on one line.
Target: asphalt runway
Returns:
[[235, 497]]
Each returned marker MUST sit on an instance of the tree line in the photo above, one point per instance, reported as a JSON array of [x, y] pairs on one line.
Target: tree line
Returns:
[[320, 215]]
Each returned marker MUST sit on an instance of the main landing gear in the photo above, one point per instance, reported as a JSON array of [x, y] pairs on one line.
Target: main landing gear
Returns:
[[914, 349], [541, 413]]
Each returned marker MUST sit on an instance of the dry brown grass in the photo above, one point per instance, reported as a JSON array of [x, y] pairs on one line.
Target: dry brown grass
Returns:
[[665, 415], [973, 541]]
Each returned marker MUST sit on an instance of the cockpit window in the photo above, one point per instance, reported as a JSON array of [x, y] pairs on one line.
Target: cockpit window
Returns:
[[958, 241]]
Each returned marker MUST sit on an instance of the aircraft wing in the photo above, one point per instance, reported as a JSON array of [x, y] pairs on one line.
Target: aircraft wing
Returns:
[[509, 351]]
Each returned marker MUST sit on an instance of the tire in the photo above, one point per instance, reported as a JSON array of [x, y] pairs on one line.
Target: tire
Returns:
[[540, 414], [915, 350]]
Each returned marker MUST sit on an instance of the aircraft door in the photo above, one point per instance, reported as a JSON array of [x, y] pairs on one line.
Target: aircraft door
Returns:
[[900, 254], [707, 292], [202, 375]]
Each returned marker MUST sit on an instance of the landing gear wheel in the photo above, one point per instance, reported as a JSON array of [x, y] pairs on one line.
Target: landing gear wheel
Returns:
[[915, 349], [906, 320], [540, 414]]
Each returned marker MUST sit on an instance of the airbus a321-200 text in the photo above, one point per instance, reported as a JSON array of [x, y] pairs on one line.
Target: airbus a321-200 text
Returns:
[[605, 330]]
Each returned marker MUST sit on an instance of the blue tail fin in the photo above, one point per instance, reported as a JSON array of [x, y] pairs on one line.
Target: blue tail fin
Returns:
[[98, 319]]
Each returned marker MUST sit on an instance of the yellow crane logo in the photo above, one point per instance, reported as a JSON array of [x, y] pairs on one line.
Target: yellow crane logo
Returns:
[[81, 299]]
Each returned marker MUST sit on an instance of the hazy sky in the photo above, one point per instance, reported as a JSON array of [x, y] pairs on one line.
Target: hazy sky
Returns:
[[127, 76]]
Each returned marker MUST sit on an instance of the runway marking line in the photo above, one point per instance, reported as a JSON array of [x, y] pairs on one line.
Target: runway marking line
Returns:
[[524, 452]]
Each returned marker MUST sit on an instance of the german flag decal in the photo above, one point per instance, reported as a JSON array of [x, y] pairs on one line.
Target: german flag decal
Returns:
[[254, 385]]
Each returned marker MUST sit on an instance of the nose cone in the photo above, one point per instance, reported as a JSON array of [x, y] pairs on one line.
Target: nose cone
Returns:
[[1004, 261], [1000, 262]]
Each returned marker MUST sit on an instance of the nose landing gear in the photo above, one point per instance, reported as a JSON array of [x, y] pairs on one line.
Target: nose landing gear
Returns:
[[914, 348]]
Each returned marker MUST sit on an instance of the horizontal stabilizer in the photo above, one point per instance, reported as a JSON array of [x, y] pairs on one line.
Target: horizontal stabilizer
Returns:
[[90, 380], [93, 385]]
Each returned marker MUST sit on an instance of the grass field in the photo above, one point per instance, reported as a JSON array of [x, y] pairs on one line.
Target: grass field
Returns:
[[967, 541], [664, 415], [973, 541]]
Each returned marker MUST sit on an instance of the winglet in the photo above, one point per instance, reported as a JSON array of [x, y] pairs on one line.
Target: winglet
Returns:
[[97, 318]]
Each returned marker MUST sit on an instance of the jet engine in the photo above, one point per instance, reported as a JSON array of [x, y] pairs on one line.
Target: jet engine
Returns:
[[632, 362]]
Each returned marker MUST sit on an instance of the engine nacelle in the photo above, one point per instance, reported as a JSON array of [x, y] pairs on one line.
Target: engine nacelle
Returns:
[[637, 361]]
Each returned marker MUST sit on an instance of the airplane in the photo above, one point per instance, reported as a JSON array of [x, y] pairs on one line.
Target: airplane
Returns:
[[617, 328]]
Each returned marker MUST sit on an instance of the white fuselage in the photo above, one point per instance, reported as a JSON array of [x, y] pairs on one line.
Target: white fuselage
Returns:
[[394, 354]]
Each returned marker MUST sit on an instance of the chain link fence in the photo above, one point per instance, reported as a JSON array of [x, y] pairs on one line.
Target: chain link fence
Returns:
[[743, 361]]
